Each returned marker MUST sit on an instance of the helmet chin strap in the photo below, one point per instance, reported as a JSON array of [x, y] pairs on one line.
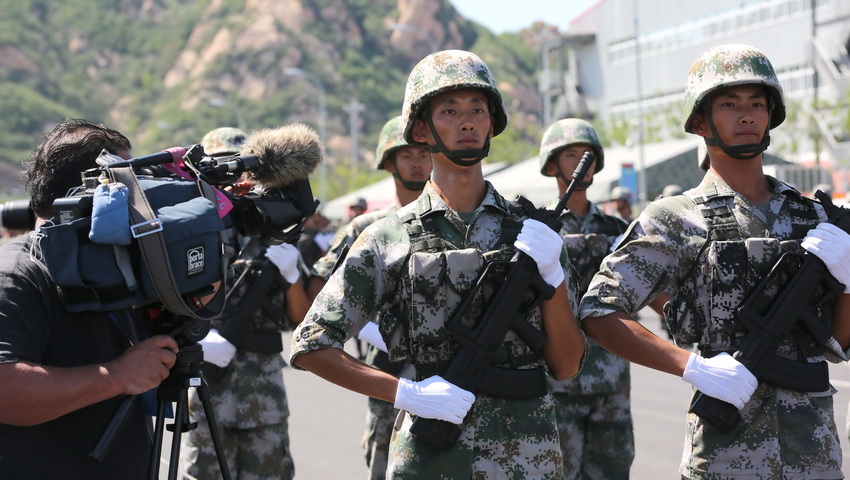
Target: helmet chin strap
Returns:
[[411, 185], [579, 185], [741, 152], [457, 156]]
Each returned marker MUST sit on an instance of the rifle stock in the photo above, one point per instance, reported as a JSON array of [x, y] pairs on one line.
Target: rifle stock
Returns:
[[505, 311], [804, 284]]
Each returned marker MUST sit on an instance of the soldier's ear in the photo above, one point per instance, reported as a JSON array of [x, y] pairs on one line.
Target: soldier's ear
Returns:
[[699, 124], [551, 167], [419, 131]]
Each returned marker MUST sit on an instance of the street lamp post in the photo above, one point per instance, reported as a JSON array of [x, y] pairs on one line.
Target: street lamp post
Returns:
[[416, 31], [320, 88]]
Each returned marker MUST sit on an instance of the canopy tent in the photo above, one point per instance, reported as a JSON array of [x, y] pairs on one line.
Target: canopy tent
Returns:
[[524, 178]]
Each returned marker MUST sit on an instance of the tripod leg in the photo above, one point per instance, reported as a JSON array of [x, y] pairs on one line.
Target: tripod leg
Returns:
[[181, 420], [156, 451], [204, 396]]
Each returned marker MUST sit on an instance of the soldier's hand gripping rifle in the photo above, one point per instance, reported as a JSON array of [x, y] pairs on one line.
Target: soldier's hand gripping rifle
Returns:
[[258, 283], [797, 286], [471, 367]]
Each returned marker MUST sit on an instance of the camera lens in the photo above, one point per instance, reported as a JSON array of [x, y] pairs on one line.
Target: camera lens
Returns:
[[17, 215]]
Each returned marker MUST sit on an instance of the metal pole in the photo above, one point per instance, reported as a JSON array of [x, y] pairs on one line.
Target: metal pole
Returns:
[[323, 134], [641, 166], [354, 108]]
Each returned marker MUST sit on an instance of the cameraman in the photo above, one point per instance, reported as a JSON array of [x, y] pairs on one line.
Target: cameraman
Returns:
[[246, 382], [63, 375]]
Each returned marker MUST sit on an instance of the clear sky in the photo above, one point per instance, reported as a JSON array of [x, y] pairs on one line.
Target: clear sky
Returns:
[[511, 15]]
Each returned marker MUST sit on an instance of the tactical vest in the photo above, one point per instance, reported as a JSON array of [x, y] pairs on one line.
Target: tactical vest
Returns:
[[439, 274], [586, 250], [726, 269]]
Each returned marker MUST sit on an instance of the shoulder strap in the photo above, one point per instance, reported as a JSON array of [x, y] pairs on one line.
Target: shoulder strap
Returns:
[[147, 228], [721, 225]]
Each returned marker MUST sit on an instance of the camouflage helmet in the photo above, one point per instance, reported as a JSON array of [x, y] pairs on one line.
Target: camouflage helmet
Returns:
[[390, 139], [564, 133], [223, 141], [726, 66], [621, 193], [449, 70]]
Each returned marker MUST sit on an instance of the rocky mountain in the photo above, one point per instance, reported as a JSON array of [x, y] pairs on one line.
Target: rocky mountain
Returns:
[[166, 71]]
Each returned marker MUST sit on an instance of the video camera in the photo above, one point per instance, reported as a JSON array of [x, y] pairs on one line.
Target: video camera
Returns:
[[177, 229]]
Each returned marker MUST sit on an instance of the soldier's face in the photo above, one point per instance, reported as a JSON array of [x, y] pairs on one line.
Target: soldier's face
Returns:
[[740, 114], [568, 159], [461, 118], [411, 163]]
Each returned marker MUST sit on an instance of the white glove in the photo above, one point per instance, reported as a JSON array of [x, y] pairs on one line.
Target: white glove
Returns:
[[433, 398], [543, 245], [721, 377], [217, 350], [285, 257], [832, 245], [372, 335]]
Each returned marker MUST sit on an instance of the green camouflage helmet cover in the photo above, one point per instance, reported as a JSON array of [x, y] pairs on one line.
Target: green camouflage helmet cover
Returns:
[[564, 133], [449, 70], [390, 139], [223, 141], [729, 65]]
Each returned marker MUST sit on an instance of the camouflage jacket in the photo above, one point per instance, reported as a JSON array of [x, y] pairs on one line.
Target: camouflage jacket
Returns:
[[249, 392], [346, 236], [589, 239], [784, 433], [383, 268]]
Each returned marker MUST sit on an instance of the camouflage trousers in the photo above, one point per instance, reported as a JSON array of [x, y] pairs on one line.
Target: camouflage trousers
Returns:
[[256, 453], [376, 441], [500, 439], [783, 434], [597, 437]]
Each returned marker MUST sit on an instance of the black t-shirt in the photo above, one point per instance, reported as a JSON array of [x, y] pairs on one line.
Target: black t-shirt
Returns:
[[34, 327]]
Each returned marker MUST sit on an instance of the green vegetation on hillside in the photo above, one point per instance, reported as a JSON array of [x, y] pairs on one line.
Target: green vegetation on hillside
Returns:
[[106, 60]]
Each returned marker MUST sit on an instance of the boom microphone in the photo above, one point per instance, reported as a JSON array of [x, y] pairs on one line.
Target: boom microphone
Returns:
[[287, 154]]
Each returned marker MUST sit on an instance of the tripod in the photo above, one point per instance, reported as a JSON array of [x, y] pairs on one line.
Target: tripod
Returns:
[[184, 374]]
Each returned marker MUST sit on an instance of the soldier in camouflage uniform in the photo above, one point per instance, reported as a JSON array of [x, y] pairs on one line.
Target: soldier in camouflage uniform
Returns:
[[421, 261], [410, 167], [712, 245], [594, 413], [246, 383]]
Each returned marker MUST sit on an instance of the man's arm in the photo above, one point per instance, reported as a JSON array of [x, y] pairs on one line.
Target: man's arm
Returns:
[[564, 347], [297, 303], [34, 394], [340, 368], [621, 335], [831, 244], [721, 376]]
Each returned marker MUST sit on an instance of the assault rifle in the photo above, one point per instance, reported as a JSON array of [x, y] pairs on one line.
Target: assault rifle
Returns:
[[797, 286], [253, 290], [471, 367]]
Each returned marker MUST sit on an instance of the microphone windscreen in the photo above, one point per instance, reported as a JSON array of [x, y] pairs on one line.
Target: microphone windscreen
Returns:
[[287, 154]]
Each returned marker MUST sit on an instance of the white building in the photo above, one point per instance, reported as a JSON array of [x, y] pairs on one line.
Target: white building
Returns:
[[628, 57]]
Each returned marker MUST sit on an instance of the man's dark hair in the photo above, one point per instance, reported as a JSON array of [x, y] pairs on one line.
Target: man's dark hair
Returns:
[[54, 167]]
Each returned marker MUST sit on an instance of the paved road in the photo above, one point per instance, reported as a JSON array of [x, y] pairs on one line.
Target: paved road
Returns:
[[327, 422]]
